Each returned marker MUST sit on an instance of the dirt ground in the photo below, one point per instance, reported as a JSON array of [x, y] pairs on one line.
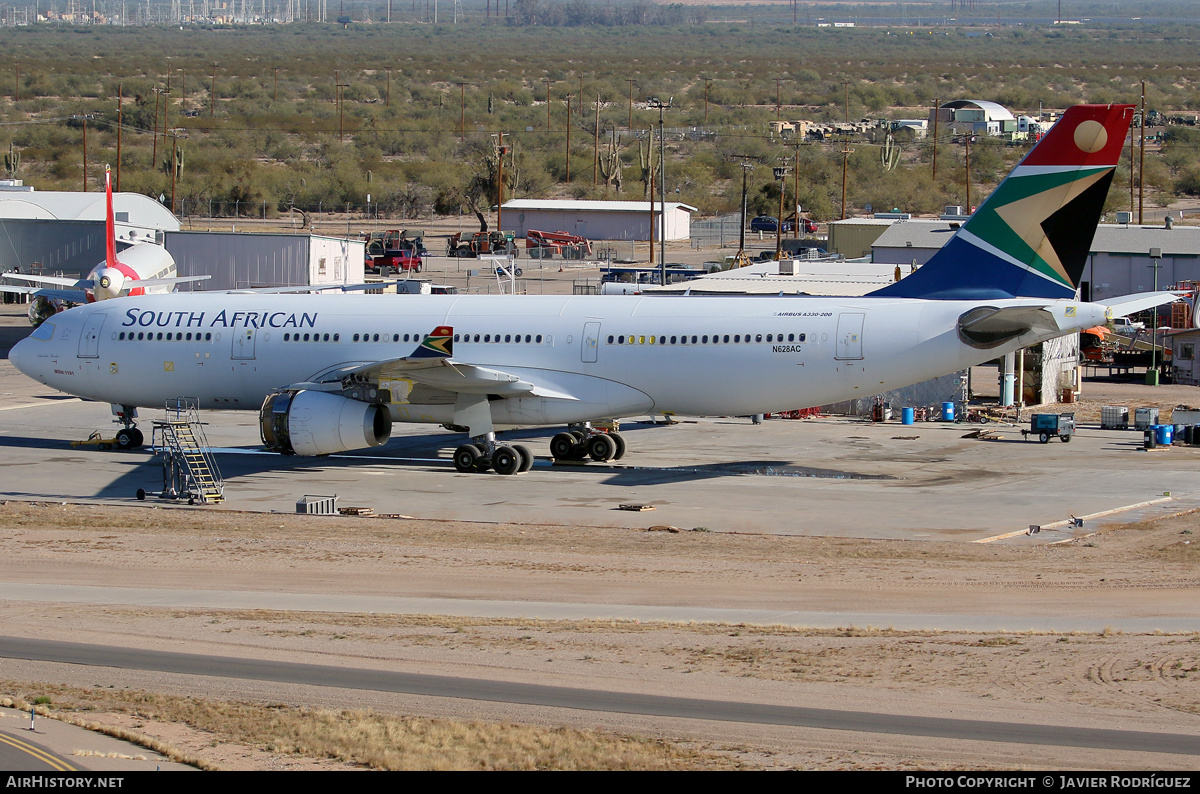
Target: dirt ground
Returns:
[[1105, 679]]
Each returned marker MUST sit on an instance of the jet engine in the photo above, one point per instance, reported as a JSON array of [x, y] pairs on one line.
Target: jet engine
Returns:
[[318, 423]]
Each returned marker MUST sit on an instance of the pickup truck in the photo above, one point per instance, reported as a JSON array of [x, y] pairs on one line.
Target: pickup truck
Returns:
[[1126, 326], [395, 261]]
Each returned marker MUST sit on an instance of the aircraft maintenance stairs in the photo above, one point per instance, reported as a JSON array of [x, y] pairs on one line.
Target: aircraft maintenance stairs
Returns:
[[189, 470]]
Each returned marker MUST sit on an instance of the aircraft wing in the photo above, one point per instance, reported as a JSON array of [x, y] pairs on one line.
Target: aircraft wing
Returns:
[[58, 281], [443, 373], [431, 365], [70, 295]]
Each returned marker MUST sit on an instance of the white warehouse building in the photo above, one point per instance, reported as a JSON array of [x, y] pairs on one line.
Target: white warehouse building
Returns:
[[598, 220]]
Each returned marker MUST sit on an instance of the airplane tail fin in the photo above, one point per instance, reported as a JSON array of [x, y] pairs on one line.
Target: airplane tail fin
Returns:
[[439, 344], [1031, 237], [110, 225]]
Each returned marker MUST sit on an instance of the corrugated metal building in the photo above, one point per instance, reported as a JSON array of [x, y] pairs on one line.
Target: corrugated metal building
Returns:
[[598, 220], [64, 231], [241, 261], [1120, 262], [853, 237]]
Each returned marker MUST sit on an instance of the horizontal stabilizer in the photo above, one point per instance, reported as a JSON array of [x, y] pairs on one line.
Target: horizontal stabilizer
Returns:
[[1130, 304]]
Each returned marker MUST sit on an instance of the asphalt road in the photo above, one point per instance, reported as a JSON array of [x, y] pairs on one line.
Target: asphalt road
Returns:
[[595, 700]]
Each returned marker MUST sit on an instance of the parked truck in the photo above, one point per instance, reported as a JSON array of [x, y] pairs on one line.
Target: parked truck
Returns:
[[481, 243]]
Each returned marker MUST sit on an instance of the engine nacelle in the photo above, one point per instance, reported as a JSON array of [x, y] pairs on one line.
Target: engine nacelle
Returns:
[[318, 423]]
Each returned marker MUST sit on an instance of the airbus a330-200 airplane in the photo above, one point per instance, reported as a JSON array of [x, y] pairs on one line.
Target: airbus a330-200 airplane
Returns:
[[329, 373], [141, 269]]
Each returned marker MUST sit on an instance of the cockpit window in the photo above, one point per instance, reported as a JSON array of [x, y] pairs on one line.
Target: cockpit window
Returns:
[[44, 332]]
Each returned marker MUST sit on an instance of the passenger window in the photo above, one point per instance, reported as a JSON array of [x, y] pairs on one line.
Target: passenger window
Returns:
[[539, 339]]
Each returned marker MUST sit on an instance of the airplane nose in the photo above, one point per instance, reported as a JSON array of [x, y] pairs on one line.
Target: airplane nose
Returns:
[[19, 354]]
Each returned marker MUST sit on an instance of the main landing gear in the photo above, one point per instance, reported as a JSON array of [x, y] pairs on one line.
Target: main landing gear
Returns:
[[484, 453], [580, 442], [583, 441]]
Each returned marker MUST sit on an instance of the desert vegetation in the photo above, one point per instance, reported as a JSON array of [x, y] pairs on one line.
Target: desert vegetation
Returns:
[[261, 120]]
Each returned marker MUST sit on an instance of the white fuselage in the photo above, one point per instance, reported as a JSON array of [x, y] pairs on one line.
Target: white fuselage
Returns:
[[603, 356]]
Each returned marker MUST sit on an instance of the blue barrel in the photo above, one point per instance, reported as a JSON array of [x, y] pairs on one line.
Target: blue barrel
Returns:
[[1164, 434], [948, 412], [906, 416]]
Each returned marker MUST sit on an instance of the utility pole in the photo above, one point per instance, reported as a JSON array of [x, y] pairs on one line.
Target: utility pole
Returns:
[[780, 173], [629, 126], [740, 260], [85, 118], [212, 99], [154, 155], [707, 84], [937, 106], [1156, 256], [548, 83], [1142, 160], [967, 159], [656, 103], [120, 99], [502, 150], [845, 165], [596, 144], [462, 111], [387, 101], [568, 180]]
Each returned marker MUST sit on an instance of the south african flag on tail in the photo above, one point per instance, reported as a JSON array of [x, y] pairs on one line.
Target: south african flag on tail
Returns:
[[1032, 236]]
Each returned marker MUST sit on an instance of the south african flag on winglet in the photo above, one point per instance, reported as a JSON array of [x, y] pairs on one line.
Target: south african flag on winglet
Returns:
[[438, 344]]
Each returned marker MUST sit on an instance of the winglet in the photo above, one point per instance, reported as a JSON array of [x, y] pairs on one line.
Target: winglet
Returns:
[[439, 344], [110, 226]]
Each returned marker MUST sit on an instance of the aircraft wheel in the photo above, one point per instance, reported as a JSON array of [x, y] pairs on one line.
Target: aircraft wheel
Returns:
[[138, 438], [601, 448], [466, 458], [1044, 438], [506, 460], [526, 457], [579, 452], [125, 439], [561, 446], [620, 442]]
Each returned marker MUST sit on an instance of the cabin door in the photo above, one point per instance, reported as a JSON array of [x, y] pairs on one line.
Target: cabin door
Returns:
[[591, 342], [849, 336], [89, 341]]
